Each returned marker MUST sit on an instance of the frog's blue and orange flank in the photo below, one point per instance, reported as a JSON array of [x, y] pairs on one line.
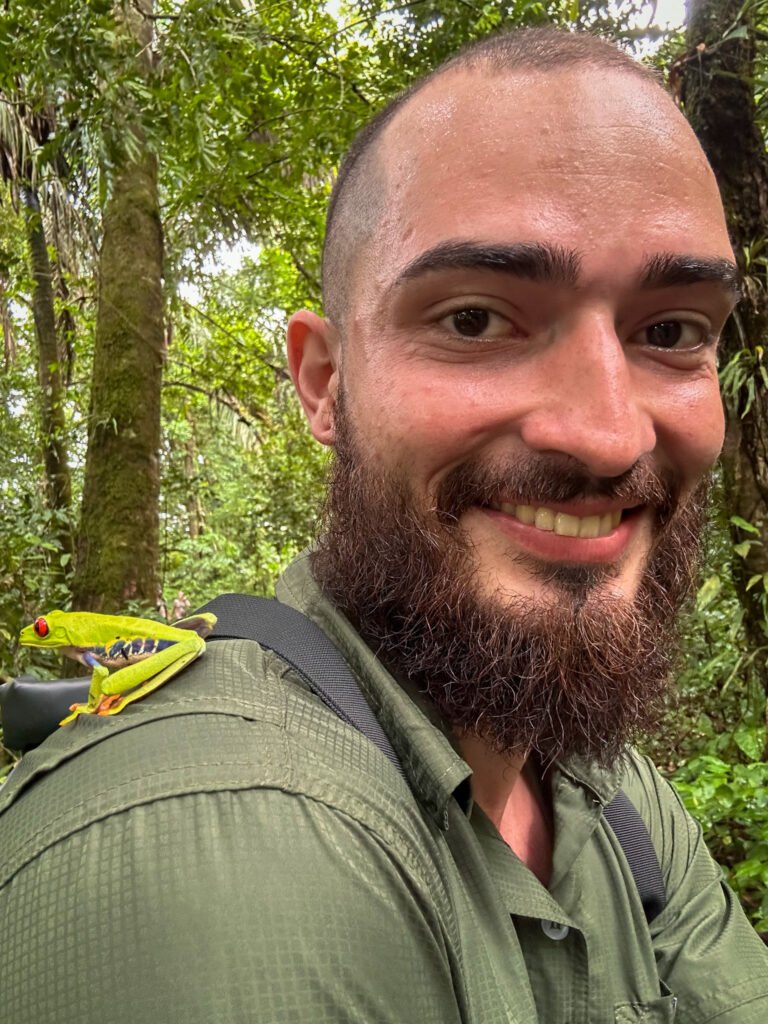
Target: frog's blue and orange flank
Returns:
[[143, 654]]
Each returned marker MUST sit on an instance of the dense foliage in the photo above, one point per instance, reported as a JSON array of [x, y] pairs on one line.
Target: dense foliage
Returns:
[[245, 108]]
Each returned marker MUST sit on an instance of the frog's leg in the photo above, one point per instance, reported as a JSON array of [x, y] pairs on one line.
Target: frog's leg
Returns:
[[112, 705], [98, 682], [99, 675], [135, 681]]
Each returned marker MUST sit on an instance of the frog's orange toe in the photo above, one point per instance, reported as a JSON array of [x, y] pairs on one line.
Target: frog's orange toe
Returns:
[[75, 710], [107, 702]]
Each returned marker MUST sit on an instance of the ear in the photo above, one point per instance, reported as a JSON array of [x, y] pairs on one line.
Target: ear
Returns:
[[313, 358]]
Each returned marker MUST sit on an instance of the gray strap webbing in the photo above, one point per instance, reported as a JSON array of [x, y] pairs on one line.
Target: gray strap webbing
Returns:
[[626, 821]]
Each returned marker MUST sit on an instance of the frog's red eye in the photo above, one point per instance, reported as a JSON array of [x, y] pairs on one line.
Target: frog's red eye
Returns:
[[40, 627]]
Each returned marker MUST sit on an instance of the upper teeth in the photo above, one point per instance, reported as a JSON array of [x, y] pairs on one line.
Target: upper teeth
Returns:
[[561, 522]]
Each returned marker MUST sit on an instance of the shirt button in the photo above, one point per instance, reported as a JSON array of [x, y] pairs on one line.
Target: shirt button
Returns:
[[554, 930]]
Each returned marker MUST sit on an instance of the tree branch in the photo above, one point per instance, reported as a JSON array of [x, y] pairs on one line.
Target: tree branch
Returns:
[[279, 371]]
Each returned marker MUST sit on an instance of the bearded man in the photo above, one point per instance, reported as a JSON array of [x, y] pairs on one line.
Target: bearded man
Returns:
[[526, 273]]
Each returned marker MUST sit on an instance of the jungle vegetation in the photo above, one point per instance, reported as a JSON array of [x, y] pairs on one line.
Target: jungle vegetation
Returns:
[[164, 168]]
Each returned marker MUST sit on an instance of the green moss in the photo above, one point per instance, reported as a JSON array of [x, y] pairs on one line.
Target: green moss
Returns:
[[118, 548]]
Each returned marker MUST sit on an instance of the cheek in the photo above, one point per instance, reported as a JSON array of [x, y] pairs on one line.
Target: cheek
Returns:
[[695, 428], [423, 419]]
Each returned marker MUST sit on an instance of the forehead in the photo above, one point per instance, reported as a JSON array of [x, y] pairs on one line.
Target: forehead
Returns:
[[599, 162]]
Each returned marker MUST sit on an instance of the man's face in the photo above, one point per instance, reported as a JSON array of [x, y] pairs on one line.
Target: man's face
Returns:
[[524, 403], [544, 295]]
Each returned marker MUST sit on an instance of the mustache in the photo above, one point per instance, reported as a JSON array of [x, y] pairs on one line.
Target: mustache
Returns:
[[542, 479]]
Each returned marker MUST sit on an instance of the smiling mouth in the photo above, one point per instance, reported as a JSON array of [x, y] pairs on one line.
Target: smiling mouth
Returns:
[[562, 523]]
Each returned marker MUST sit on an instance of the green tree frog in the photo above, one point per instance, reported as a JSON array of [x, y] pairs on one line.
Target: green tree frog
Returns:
[[141, 653]]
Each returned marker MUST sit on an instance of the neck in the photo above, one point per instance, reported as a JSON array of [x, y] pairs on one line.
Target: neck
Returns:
[[510, 793]]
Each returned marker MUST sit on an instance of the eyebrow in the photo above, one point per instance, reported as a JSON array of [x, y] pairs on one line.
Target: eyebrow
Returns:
[[536, 261], [539, 261], [666, 270]]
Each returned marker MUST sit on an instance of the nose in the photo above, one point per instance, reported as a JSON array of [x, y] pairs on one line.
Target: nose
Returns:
[[591, 403]]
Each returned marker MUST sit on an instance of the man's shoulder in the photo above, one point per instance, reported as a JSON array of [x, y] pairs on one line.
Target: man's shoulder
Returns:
[[676, 836], [237, 721], [649, 790], [215, 845]]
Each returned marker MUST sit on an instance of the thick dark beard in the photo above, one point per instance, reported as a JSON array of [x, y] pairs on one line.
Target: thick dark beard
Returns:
[[583, 674]]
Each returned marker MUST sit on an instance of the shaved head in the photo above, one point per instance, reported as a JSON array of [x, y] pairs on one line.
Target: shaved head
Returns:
[[359, 197]]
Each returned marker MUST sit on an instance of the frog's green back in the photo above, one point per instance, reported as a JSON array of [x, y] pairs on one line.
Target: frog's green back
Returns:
[[87, 629]]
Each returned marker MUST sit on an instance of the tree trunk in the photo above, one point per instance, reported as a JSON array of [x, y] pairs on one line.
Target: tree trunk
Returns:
[[9, 342], [716, 76], [118, 545], [52, 421]]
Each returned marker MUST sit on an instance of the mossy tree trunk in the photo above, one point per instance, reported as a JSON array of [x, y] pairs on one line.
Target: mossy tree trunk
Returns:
[[118, 544], [49, 362], [717, 91]]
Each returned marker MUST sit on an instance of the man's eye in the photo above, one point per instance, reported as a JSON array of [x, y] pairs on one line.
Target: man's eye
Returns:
[[474, 322], [672, 335]]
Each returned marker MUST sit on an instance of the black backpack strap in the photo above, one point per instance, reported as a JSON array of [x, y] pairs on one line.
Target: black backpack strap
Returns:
[[305, 647], [634, 839]]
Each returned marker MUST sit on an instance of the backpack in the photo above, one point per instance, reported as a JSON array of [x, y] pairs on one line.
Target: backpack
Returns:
[[32, 709]]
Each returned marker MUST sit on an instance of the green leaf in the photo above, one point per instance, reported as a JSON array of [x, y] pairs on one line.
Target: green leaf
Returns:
[[744, 525], [740, 32], [750, 396], [743, 549], [708, 591], [750, 741]]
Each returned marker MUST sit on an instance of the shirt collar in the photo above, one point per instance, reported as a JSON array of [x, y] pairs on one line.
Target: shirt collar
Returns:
[[602, 782]]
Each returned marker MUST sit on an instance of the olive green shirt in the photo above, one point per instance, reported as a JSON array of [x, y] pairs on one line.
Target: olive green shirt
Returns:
[[228, 851]]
